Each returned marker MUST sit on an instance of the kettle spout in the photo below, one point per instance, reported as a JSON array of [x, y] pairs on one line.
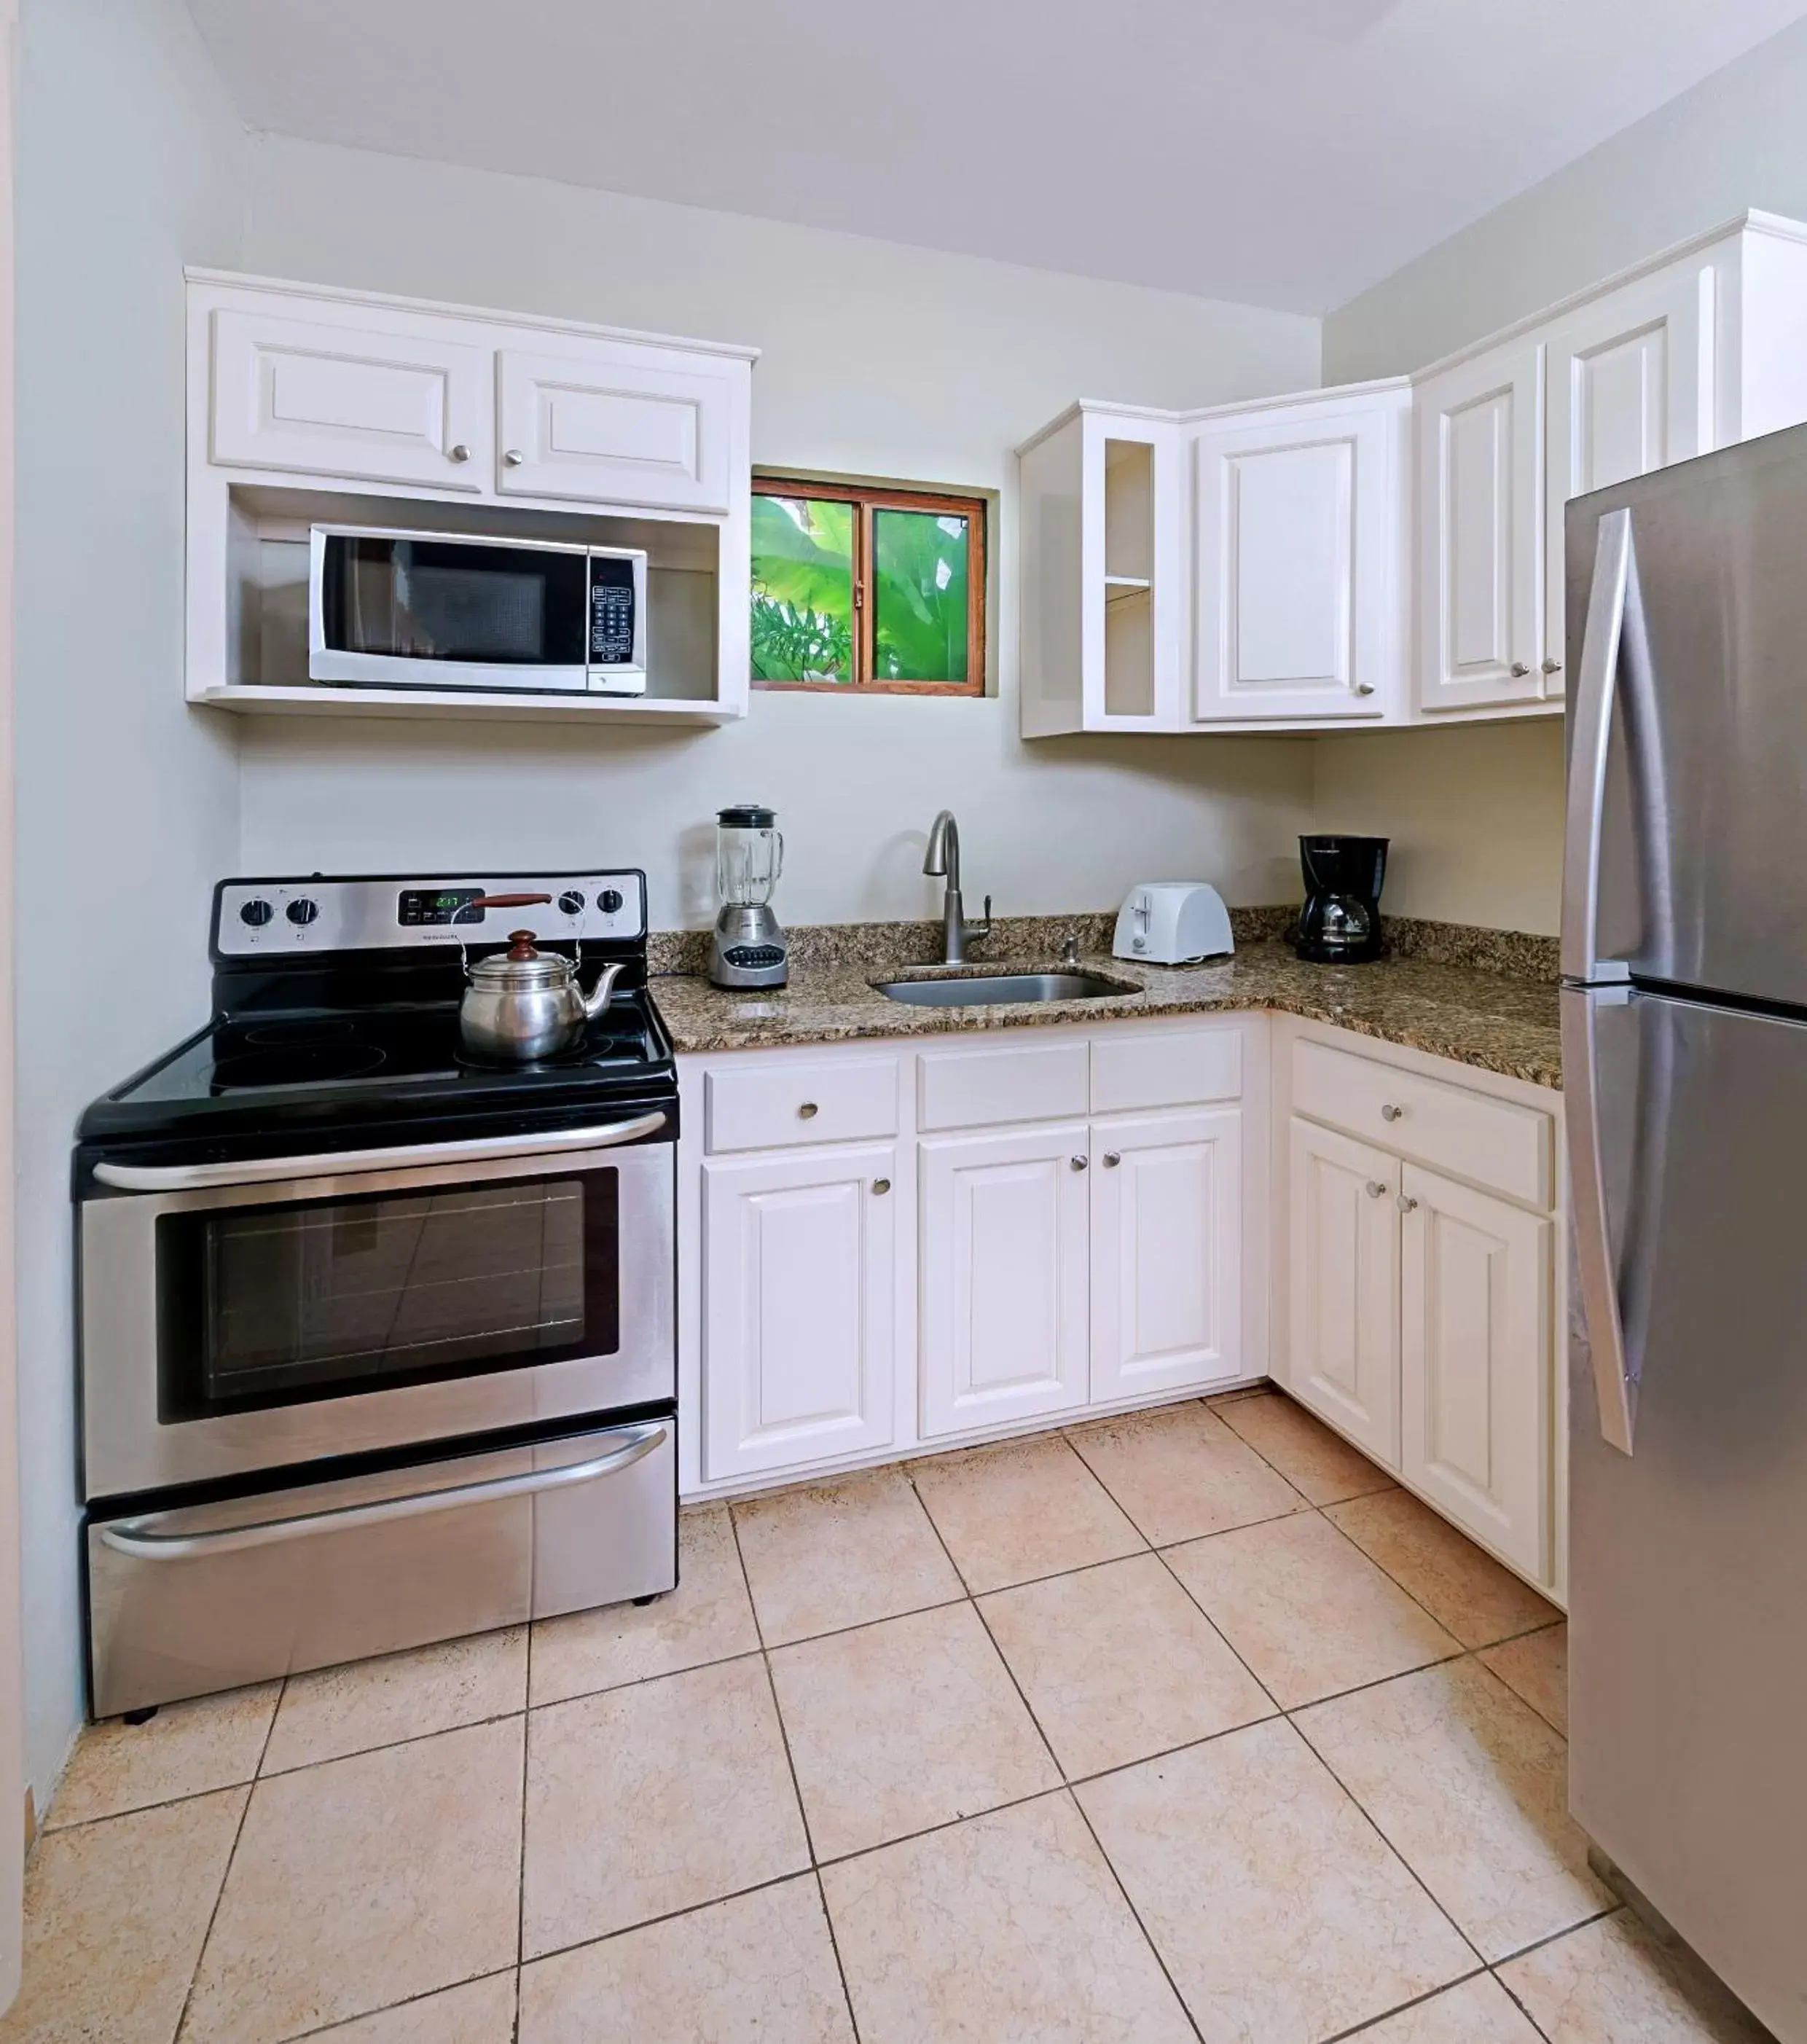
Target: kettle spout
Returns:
[[596, 1001]]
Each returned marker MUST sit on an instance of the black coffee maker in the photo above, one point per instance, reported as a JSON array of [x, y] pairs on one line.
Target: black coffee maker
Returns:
[[1340, 924]]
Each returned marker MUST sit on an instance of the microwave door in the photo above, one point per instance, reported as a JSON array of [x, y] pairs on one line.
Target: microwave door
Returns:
[[426, 611]]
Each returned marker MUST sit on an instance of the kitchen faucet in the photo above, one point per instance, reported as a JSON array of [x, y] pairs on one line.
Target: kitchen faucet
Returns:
[[943, 857]]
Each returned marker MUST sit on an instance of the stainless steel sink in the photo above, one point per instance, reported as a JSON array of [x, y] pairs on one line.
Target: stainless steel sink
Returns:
[[983, 989]]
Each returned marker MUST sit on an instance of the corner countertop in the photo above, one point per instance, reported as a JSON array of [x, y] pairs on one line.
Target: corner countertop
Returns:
[[1490, 1019]]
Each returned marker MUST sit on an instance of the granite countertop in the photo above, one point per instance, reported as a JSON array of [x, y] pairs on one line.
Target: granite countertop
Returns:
[[1491, 1020]]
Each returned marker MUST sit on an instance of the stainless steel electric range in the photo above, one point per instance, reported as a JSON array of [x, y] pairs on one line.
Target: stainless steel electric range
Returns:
[[377, 1343]]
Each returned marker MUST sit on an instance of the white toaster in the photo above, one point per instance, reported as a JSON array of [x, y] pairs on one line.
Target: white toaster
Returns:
[[1171, 922]]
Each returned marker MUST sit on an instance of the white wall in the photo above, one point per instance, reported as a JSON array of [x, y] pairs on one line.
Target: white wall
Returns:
[[1460, 800], [878, 360], [127, 802]]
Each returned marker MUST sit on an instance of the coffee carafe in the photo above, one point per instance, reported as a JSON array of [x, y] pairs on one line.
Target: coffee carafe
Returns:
[[1340, 924], [749, 947]]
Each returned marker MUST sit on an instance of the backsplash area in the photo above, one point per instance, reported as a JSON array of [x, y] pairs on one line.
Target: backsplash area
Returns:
[[1514, 954]]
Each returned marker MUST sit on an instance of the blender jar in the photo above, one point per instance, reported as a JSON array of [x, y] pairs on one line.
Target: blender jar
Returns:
[[750, 856]]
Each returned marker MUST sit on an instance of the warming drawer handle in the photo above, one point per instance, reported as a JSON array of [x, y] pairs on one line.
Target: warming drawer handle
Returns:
[[348, 1163], [144, 1545]]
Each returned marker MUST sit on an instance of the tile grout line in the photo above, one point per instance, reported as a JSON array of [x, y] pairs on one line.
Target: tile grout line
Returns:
[[815, 1867], [1370, 2023], [407, 2001], [226, 1871]]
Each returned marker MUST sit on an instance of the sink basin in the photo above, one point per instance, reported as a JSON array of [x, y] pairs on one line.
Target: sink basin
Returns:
[[984, 989]]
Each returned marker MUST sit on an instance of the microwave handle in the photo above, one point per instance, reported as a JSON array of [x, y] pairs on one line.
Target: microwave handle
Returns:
[[143, 1544], [350, 1164]]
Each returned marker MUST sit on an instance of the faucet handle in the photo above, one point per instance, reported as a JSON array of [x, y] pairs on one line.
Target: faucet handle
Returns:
[[1070, 950]]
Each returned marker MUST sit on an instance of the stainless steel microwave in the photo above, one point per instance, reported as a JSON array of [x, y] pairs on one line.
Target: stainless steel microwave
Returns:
[[443, 610]]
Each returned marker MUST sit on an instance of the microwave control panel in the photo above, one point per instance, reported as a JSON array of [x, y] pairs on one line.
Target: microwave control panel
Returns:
[[254, 918]]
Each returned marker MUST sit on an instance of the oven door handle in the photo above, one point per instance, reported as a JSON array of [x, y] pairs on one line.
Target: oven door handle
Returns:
[[350, 1163], [143, 1544]]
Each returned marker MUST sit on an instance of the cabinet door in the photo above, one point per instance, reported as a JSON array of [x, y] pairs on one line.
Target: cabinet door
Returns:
[[1300, 547], [1343, 1286], [1481, 526], [798, 1308], [1629, 390], [1004, 1239], [378, 402], [1166, 1252], [616, 424], [1475, 1369]]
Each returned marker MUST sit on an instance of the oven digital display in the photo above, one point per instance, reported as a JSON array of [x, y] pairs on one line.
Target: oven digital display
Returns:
[[419, 906]]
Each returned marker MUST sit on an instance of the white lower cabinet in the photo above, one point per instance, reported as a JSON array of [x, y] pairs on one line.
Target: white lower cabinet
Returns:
[[799, 1318], [1166, 1219], [1474, 1363], [1343, 1285], [1003, 1234]]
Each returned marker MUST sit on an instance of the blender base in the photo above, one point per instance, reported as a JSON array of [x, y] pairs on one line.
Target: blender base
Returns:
[[750, 950]]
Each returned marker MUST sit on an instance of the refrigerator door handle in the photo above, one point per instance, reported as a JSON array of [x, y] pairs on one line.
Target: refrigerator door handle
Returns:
[[1614, 1389], [1595, 690]]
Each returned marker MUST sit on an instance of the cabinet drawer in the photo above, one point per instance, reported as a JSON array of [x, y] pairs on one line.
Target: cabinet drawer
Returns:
[[1167, 1068], [1020, 1082], [1492, 1142], [776, 1107]]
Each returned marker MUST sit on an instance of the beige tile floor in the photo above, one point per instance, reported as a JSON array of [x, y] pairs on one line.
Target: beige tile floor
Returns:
[[1186, 1726]]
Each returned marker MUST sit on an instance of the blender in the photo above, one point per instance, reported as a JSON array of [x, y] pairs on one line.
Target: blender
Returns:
[[749, 947]]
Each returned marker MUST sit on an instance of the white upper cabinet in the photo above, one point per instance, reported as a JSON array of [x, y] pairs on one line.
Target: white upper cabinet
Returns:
[[1629, 389], [1299, 515], [1302, 580], [612, 423], [377, 400], [1480, 435]]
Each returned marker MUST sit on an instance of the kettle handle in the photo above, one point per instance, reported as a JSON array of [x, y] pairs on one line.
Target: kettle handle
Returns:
[[509, 901]]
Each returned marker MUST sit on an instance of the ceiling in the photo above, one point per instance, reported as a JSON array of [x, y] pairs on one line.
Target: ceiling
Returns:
[[1285, 153]]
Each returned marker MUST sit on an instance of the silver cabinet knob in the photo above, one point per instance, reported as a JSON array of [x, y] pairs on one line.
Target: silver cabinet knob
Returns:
[[1079, 1163], [1407, 1204], [1389, 1112], [461, 452], [808, 1111], [1364, 687], [513, 457], [1375, 1190], [1552, 667], [881, 1186], [1519, 670], [1113, 1158]]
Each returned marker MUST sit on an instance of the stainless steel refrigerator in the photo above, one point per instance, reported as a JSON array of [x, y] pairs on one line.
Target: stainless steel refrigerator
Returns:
[[1684, 953]]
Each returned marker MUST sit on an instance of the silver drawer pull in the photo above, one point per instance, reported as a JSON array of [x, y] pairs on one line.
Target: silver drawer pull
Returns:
[[1552, 667], [1407, 1204], [1375, 1190], [513, 457], [1389, 1112], [348, 1163], [461, 452], [807, 1112], [1519, 670], [1079, 1163], [1113, 1158], [881, 1186], [144, 1545]]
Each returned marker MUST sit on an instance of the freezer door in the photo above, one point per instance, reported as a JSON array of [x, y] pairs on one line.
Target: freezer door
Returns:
[[1701, 700], [1688, 1561]]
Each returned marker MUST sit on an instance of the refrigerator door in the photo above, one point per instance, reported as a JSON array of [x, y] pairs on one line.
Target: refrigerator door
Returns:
[[1690, 656], [1688, 1569]]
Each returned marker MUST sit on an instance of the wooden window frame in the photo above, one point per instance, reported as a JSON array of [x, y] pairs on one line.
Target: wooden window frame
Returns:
[[947, 503]]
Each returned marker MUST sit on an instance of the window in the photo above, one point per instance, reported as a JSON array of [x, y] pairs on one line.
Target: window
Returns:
[[878, 589]]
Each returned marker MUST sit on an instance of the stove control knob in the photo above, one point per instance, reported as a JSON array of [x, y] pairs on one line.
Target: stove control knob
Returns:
[[256, 913], [609, 900], [571, 902], [301, 911]]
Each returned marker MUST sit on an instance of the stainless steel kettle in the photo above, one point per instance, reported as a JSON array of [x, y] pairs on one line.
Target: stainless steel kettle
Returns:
[[522, 1004]]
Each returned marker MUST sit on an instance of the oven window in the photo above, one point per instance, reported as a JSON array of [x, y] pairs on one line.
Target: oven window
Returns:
[[435, 600], [272, 1305]]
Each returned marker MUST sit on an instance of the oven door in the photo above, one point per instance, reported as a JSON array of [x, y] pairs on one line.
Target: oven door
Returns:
[[427, 610], [323, 1306]]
